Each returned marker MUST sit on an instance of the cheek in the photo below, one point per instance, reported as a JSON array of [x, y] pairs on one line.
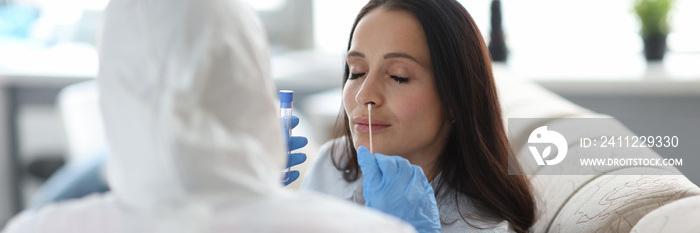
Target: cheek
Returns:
[[349, 94], [420, 112], [347, 98]]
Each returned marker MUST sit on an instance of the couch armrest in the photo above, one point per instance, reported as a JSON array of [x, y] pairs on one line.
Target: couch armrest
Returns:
[[678, 216]]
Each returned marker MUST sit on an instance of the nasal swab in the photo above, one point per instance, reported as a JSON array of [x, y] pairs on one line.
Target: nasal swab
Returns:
[[369, 115]]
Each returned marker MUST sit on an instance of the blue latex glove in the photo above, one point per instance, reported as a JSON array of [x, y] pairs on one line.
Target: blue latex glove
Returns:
[[394, 186], [294, 143]]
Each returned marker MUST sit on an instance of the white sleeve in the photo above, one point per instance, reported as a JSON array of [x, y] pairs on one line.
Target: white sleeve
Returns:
[[22, 222]]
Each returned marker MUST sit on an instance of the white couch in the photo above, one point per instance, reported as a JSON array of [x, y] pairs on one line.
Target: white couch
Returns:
[[607, 201]]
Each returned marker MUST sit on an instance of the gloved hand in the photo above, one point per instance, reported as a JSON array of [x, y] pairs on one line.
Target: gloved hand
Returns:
[[294, 143], [394, 186]]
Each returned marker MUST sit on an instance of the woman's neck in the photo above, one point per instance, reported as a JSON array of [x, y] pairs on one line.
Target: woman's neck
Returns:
[[427, 163]]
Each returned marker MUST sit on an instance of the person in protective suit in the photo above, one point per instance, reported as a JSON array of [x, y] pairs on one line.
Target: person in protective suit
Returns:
[[195, 141]]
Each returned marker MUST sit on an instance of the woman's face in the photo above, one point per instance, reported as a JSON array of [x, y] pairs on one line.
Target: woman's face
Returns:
[[390, 68]]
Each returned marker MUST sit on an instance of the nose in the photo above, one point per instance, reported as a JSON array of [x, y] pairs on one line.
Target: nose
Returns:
[[370, 91]]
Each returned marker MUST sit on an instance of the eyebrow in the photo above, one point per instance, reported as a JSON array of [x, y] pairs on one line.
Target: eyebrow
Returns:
[[386, 56], [356, 54], [400, 55]]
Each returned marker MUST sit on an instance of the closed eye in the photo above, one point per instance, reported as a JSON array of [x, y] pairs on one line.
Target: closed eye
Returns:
[[400, 80], [355, 76]]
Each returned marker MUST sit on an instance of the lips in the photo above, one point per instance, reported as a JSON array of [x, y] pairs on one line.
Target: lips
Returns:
[[362, 125]]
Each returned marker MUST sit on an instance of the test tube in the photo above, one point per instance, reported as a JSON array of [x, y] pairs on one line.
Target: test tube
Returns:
[[286, 97]]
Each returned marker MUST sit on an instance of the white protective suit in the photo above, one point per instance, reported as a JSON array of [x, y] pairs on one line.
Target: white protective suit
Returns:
[[195, 139]]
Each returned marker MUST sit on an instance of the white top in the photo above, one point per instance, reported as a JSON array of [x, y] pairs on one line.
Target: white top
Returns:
[[323, 177], [195, 140]]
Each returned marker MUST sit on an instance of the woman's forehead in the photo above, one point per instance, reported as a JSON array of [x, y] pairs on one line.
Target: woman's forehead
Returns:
[[381, 32]]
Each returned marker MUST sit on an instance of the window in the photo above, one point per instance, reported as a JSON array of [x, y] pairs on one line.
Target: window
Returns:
[[542, 25]]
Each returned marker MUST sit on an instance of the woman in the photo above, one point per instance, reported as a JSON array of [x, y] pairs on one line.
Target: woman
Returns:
[[425, 70]]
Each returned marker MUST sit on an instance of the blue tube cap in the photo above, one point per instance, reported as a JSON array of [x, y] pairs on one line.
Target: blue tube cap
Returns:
[[286, 97]]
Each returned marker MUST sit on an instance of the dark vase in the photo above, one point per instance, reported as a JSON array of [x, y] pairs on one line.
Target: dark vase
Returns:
[[497, 45], [655, 47]]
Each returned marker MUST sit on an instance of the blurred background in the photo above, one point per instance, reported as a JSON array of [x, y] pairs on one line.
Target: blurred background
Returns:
[[590, 52]]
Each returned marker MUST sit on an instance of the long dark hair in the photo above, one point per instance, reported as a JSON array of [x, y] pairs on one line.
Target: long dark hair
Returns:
[[474, 161]]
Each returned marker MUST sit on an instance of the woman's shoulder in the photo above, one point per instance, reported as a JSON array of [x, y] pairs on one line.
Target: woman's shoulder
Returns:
[[461, 213], [468, 217], [323, 175], [329, 154], [331, 151]]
